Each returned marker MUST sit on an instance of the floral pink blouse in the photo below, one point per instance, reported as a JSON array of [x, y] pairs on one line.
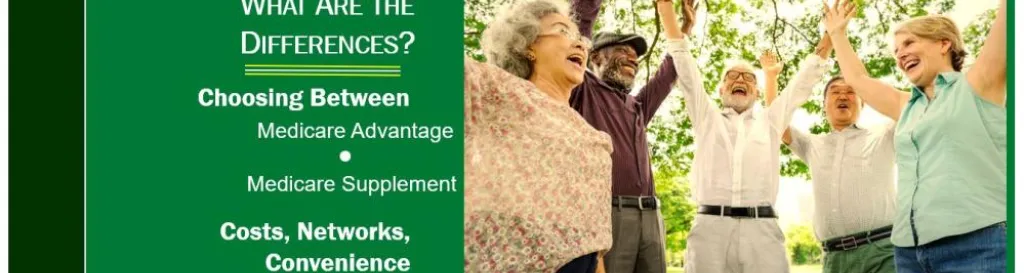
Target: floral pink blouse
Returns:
[[538, 177]]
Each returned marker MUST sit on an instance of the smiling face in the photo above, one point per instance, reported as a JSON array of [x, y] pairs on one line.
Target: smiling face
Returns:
[[616, 65], [920, 59], [842, 105], [926, 46], [559, 50], [739, 89]]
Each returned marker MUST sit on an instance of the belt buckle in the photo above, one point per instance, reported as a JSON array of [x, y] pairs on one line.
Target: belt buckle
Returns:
[[736, 214], [640, 202], [847, 241]]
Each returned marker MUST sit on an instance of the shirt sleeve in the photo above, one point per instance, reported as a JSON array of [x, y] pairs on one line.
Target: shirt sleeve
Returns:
[[657, 89], [799, 143], [471, 90], [889, 139], [699, 105], [482, 82], [586, 12], [812, 69]]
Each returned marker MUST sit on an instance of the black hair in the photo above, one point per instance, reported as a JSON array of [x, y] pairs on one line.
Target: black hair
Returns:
[[824, 95]]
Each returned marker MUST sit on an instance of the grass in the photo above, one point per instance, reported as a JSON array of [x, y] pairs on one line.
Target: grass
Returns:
[[816, 268]]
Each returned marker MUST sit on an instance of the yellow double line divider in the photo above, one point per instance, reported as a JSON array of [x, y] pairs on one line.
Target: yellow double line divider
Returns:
[[322, 66], [358, 75], [323, 70]]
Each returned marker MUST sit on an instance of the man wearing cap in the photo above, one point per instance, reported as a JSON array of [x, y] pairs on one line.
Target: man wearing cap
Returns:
[[735, 174], [604, 100], [854, 178]]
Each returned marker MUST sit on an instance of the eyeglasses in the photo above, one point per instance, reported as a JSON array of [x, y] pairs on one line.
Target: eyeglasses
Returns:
[[560, 30], [836, 91], [747, 76]]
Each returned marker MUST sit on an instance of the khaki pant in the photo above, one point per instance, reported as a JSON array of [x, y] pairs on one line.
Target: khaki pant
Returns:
[[735, 245], [638, 242]]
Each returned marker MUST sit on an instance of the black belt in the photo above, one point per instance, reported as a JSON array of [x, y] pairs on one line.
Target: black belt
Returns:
[[745, 212], [856, 240], [638, 202]]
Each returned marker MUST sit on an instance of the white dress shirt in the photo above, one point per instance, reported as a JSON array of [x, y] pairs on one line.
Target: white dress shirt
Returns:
[[854, 176], [736, 161]]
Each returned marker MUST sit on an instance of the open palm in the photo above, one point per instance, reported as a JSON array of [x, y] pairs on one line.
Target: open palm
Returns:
[[838, 15], [770, 63]]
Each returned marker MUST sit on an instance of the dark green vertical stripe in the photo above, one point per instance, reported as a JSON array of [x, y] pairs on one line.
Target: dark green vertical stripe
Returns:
[[1010, 105], [46, 136]]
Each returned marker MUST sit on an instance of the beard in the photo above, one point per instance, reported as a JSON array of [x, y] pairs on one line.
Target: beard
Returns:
[[612, 75], [738, 103]]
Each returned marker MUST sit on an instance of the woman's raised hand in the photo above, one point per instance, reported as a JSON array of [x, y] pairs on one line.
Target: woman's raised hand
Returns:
[[838, 15]]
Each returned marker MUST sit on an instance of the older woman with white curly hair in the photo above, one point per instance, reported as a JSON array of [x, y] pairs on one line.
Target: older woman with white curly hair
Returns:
[[538, 176]]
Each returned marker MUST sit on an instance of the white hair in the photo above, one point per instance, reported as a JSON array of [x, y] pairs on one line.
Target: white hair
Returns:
[[733, 64], [508, 37]]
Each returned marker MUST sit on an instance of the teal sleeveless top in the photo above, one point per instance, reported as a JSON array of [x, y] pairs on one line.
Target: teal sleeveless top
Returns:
[[951, 163]]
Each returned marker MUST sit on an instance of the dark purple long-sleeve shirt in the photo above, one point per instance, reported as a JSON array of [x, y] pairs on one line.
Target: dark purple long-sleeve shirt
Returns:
[[621, 115]]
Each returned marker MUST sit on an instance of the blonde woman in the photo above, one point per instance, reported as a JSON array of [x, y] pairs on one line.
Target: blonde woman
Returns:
[[538, 176], [950, 141]]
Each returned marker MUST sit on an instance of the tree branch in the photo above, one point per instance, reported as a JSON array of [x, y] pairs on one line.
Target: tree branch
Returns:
[[797, 30], [903, 10], [881, 19], [775, 27], [632, 5], [650, 49], [703, 36]]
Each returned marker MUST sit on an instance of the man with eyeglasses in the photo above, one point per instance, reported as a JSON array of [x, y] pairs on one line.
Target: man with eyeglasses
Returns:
[[604, 100], [735, 173]]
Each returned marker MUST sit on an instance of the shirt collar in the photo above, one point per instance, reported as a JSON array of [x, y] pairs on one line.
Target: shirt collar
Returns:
[[750, 113], [852, 128], [942, 80]]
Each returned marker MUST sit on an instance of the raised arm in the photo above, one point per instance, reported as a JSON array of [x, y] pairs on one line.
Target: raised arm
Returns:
[[586, 12], [988, 74], [668, 19], [699, 105], [658, 87], [772, 68], [812, 69], [881, 96], [798, 142], [475, 83]]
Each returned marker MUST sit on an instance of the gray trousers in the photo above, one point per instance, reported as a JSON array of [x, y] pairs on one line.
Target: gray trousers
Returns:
[[638, 242]]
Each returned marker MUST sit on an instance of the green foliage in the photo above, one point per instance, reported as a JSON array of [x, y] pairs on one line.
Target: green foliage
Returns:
[[673, 191], [477, 14], [801, 246], [975, 33]]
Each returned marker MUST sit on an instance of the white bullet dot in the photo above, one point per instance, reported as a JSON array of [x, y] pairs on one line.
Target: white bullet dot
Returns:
[[345, 156]]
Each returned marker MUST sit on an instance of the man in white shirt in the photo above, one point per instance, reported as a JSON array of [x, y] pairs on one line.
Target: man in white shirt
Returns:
[[853, 173], [736, 166]]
